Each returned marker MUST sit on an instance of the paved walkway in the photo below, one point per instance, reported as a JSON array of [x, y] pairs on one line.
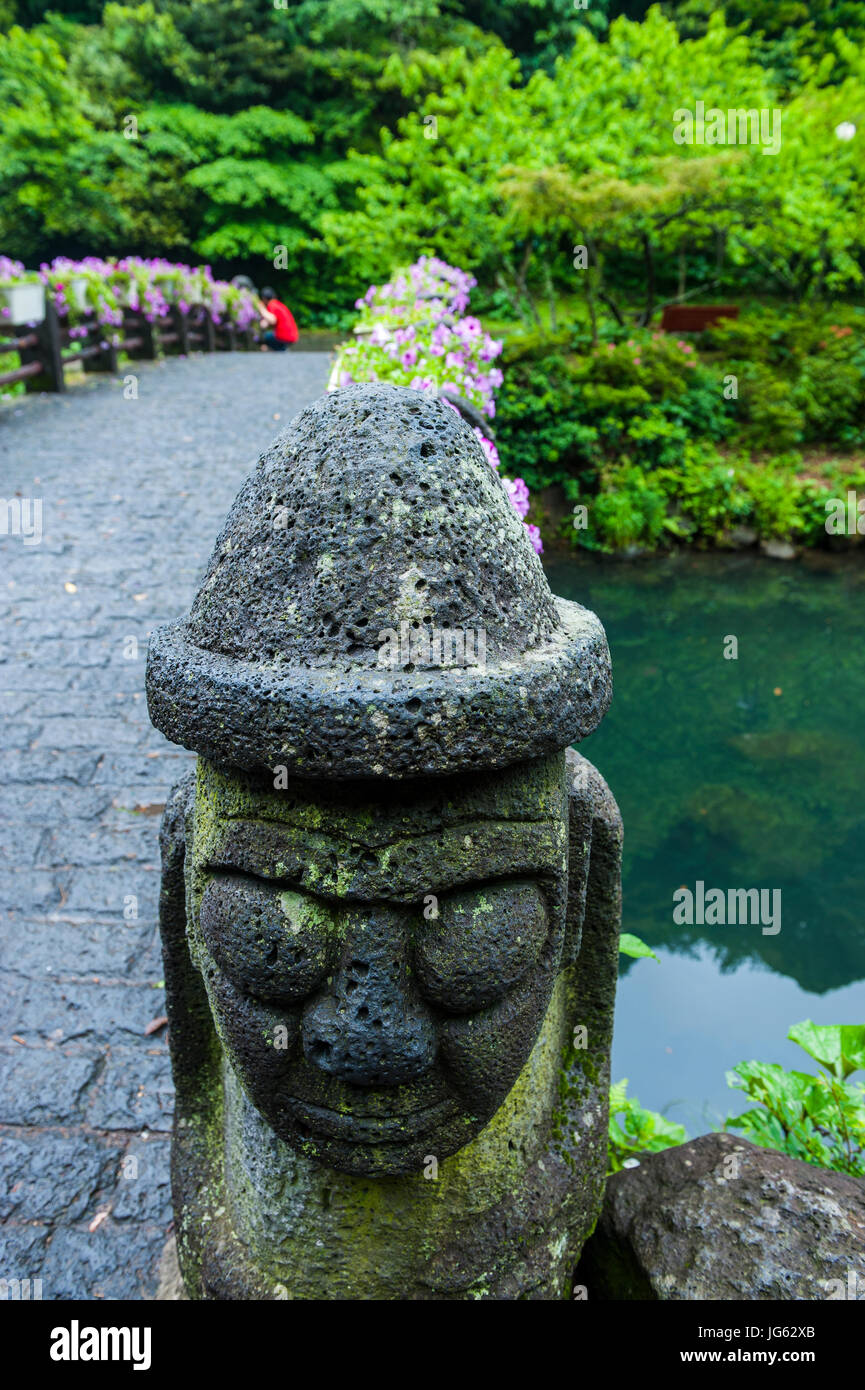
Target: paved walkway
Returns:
[[133, 494]]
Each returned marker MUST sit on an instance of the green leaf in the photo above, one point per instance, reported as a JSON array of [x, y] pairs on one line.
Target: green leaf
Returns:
[[633, 1130], [840, 1047], [618, 1095], [631, 945]]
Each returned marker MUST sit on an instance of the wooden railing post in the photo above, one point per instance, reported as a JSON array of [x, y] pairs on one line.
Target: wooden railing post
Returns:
[[47, 352], [181, 323], [209, 330], [144, 348], [106, 359]]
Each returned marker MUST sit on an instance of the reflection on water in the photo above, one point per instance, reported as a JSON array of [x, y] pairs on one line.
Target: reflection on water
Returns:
[[681, 1025], [744, 773]]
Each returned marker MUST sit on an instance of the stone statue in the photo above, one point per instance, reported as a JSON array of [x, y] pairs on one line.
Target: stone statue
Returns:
[[390, 898]]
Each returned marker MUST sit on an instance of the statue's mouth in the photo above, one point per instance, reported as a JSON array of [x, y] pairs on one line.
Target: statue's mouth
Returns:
[[321, 1122]]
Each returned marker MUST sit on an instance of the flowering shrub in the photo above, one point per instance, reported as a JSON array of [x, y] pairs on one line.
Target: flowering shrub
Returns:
[[81, 293], [13, 272], [428, 289], [96, 291], [414, 332], [228, 303]]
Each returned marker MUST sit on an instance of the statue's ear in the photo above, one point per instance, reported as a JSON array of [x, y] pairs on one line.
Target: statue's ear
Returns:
[[579, 850], [191, 1034], [172, 846], [595, 855]]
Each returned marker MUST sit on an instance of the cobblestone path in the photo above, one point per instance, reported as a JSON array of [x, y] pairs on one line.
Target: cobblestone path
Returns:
[[133, 494]]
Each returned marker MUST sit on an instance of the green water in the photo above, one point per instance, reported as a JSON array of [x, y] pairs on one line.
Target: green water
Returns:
[[721, 779]]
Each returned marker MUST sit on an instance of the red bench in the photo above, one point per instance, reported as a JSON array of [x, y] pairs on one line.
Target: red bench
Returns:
[[693, 318]]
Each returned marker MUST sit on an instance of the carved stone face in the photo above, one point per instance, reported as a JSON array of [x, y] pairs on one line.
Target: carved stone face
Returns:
[[378, 971]]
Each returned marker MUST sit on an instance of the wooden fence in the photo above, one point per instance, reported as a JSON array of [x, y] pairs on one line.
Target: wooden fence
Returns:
[[48, 348]]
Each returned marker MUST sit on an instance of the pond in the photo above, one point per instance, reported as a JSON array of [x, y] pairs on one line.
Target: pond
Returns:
[[743, 772]]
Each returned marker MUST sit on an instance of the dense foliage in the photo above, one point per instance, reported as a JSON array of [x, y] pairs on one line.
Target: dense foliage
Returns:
[[328, 140], [663, 440], [317, 144], [817, 1118]]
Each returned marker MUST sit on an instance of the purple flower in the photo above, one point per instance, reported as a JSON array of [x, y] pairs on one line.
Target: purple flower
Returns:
[[535, 538], [488, 447], [419, 320], [519, 495]]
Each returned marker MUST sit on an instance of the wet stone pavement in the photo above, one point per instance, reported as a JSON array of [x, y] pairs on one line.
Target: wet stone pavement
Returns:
[[133, 494]]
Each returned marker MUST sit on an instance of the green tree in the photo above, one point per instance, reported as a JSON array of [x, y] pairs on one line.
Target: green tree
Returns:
[[432, 186], [61, 176], [591, 143]]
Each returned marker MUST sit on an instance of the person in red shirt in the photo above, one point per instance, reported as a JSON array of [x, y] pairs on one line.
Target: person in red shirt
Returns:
[[278, 319]]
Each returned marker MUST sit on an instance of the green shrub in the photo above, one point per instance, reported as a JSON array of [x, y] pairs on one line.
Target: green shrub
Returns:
[[834, 481], [630, 510], [821, 1118], [538, 427], [704, 494], [634, 1130], [773, 491], [769, 412], [632, 427], [831, 397], [764, 334], [565, 413], [801, 374], [705, 497]]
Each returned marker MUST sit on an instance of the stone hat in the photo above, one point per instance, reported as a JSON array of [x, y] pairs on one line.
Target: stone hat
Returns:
[[374, 608]]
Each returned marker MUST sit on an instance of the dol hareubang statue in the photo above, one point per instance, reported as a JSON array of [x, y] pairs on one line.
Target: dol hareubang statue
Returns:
[[390, 896]]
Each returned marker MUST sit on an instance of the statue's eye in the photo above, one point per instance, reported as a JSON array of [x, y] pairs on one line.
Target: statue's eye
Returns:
[[482, 942], [271, 943]]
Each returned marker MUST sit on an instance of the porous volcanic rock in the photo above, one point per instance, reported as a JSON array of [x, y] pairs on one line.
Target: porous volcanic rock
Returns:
[[376, 512], [720, 1218]]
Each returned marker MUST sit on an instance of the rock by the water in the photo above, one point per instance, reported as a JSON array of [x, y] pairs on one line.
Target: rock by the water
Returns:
[[778, 550], [720, 1218]]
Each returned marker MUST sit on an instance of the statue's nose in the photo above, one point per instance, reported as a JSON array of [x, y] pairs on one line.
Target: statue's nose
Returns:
[[368, 1026]]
